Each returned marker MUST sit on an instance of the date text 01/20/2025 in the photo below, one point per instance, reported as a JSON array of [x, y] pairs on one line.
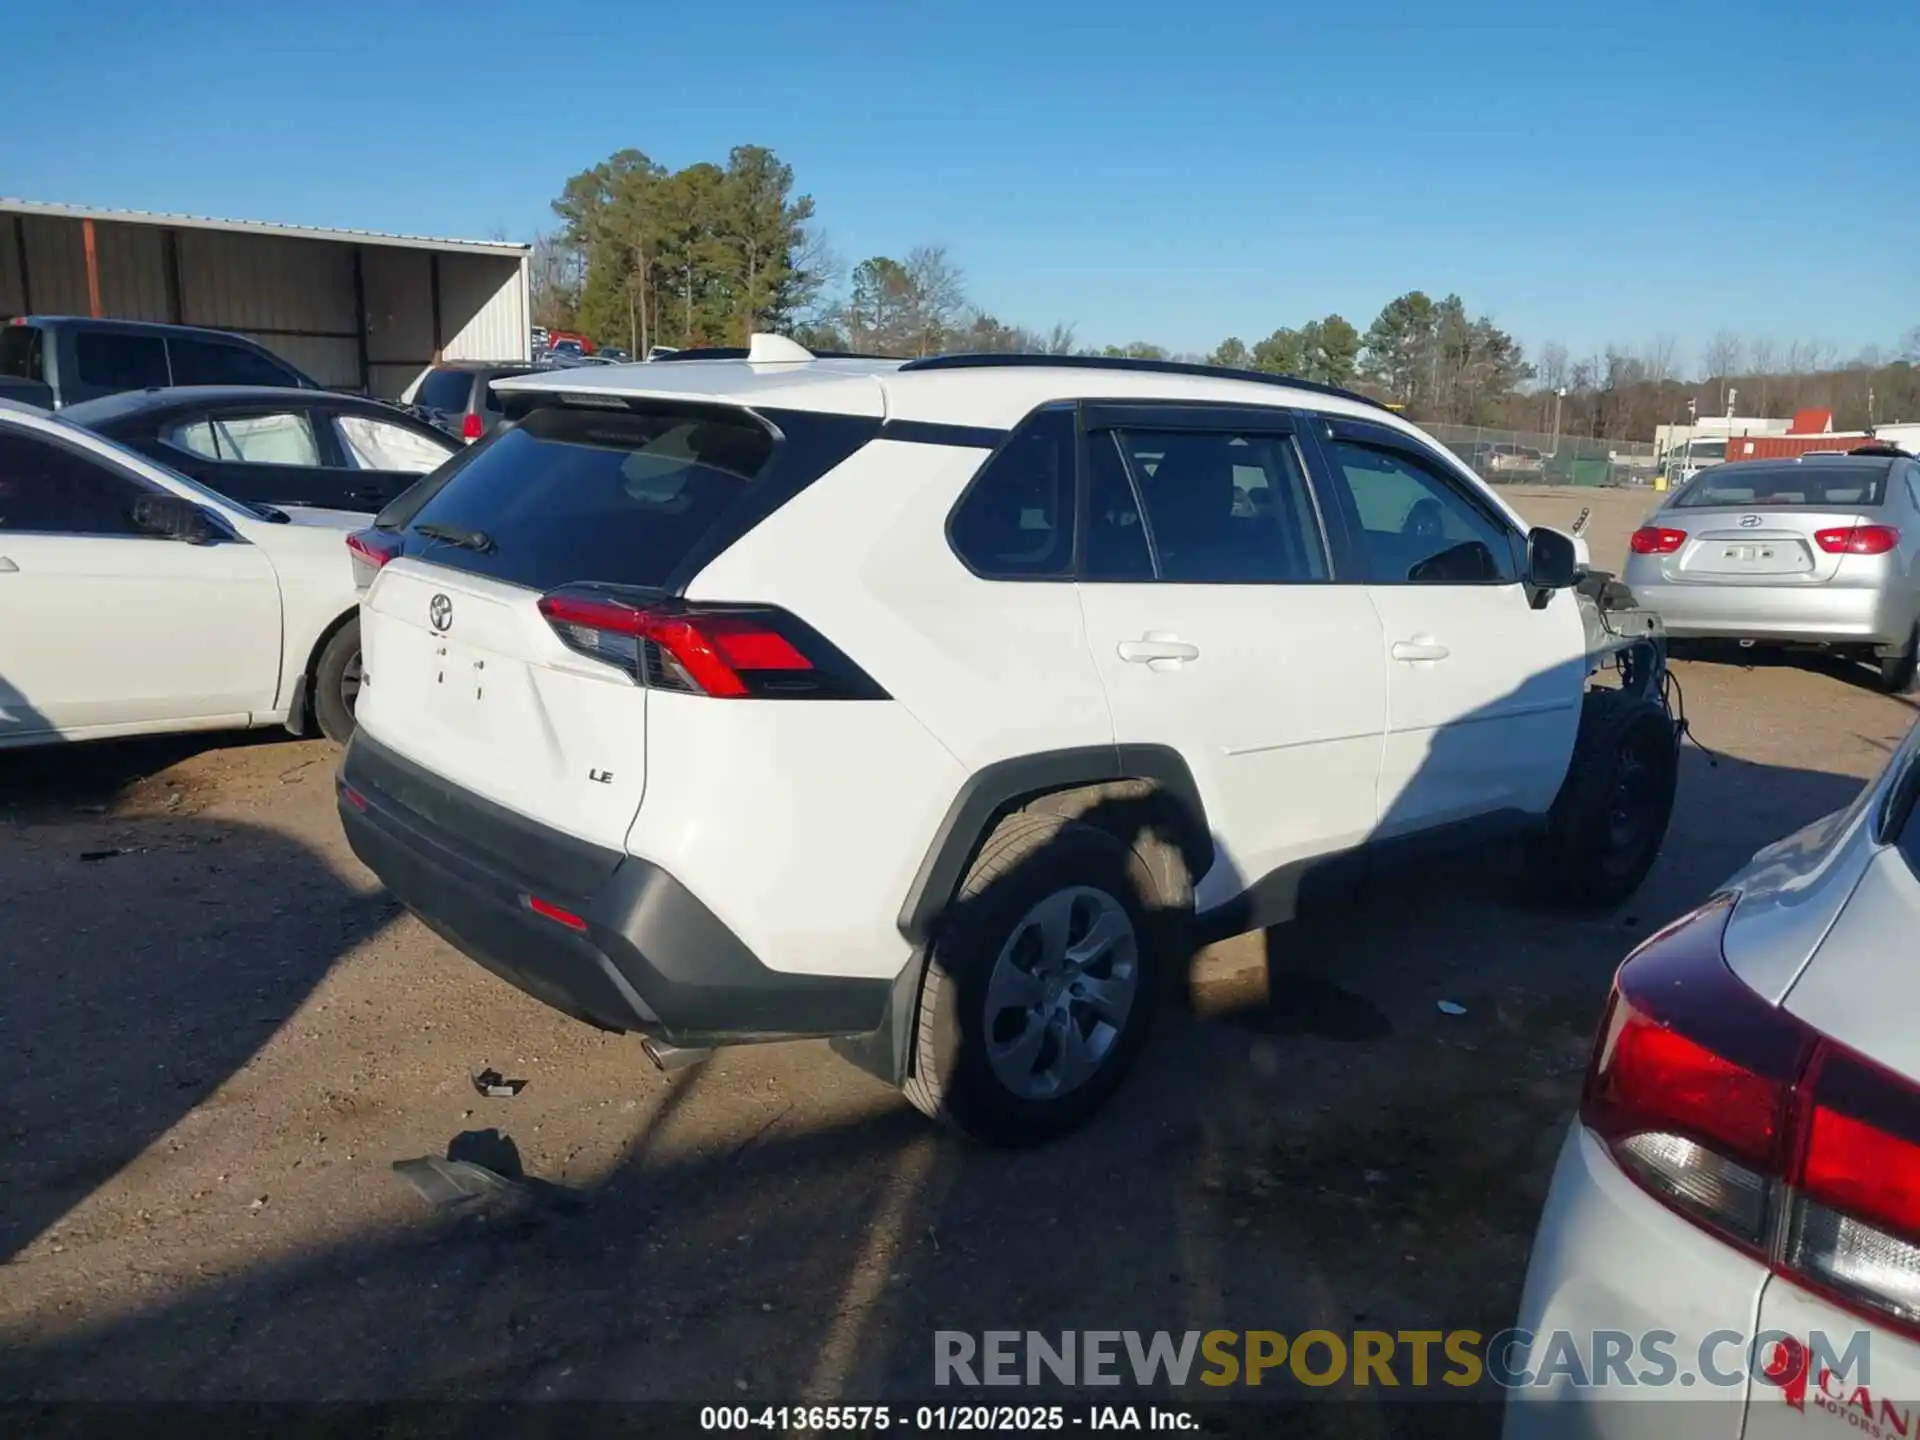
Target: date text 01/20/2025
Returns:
[[977, 1419]]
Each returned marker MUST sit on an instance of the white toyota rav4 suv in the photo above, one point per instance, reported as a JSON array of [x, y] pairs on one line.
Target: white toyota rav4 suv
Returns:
[[929, 705]]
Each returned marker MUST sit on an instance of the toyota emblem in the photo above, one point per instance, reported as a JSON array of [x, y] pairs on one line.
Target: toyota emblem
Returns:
[[1747, 522], [440, 613]]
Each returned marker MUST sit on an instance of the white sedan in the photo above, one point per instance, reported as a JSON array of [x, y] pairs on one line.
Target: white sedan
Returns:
[[133, 601], [1733, 1232]]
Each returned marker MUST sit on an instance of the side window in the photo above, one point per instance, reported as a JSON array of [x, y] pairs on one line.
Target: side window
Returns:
[[195, 437], [1016, 520], [210, 362], [120, 362], [1227, 508], [22, 355], [49, 489], [370, 443], [1116, 535], [284, 438], [1417, 528]]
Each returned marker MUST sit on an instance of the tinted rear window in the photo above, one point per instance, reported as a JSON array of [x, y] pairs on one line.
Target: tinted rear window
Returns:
[[214, 362], [1823, 487], [120, 362], [591, 495], [445, 390]]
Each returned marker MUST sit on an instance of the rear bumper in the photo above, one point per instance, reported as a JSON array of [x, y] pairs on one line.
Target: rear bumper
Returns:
[[1823, 614], [651, 956]]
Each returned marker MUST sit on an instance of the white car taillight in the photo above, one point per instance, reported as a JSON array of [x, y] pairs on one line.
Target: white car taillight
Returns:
[[1758, 1128]]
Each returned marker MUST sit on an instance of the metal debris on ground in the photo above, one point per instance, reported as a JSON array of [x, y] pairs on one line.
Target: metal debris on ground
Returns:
[[495, 1086], [482, 1170]]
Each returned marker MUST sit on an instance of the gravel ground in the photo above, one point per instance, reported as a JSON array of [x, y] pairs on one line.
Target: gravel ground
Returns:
[[216, 1035]]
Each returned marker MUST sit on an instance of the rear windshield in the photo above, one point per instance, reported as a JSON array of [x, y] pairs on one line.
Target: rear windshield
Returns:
[[1817, 486], [571, 495], [445, 390]]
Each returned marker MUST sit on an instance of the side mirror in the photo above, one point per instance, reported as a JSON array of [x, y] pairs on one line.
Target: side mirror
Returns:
[[171, 517], [1553, 561]]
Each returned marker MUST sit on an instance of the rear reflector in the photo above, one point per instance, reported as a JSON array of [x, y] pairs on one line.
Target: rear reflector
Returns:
[[550, 911], [1652, 540], [1757, 1128], [1857, 540], [354, 798], [725, 652], [472, 427]]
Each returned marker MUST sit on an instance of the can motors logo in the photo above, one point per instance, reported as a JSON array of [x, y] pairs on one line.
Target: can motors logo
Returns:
[[1805, 1380]]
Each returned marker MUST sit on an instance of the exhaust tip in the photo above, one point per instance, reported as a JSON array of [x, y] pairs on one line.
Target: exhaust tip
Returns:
[[671, 1058]]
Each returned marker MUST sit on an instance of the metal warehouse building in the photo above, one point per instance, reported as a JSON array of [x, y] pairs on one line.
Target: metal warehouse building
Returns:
[[354, 309]]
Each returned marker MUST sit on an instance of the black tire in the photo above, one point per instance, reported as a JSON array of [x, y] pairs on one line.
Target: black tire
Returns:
[[1611, 815], [1897, 671], [336, 682], [1028, 858]]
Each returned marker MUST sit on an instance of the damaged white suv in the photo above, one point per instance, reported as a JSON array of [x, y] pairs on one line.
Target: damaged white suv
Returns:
[[935, 706]]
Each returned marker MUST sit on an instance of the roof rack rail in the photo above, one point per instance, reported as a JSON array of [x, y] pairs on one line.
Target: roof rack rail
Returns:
[[737, 352], [1155, 367]]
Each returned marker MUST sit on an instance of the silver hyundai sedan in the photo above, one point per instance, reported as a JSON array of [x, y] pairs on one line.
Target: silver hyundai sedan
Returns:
[[1823, 550]]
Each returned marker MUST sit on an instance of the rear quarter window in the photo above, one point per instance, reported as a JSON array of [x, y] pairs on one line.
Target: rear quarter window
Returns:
[[615, 497]]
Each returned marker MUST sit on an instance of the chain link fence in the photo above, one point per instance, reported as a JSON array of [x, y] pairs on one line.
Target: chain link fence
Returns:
[[1527, 457]]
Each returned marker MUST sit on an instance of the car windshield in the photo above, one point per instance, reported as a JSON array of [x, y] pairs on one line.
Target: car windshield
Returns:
[[1845, 487]]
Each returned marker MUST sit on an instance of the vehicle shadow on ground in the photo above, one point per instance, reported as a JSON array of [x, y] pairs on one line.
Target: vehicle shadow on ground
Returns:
[[1855, 673], [110, 1038], [1354, 1160]]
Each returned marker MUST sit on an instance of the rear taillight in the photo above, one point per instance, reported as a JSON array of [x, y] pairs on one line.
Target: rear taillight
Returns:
[[1857, 539], [1653, 540], [371, 549], [472, 427], [727, 652], [1757, 1128], [1856, 1223]]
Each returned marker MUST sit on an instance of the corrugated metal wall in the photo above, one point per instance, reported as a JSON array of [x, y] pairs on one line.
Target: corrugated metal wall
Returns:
[[294, 296], [481, 313]]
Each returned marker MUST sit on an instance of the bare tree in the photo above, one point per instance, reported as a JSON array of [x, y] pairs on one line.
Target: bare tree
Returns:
[[939, 295], [1910, 345], [1657, 358], [1722, 358]]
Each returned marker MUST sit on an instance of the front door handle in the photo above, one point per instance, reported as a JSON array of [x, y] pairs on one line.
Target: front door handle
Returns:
[[1421, 649], [1154, 646], [7, 567]]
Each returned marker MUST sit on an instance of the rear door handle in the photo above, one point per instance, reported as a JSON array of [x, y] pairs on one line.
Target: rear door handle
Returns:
[[1412, 650], [1151, 647], [7, 567]]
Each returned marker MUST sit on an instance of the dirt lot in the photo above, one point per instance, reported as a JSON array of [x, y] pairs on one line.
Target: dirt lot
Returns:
[[216, 1035]]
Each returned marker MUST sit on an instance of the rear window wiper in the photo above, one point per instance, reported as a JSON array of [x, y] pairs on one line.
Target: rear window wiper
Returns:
[[461, 535]]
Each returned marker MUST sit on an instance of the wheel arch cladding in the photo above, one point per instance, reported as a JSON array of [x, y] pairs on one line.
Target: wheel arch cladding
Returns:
[[1119, 788]]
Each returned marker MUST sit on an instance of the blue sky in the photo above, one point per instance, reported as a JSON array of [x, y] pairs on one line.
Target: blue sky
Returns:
[[1583, 170]]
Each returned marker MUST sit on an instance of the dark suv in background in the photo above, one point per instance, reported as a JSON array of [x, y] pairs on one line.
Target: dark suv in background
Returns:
[[54, 361]]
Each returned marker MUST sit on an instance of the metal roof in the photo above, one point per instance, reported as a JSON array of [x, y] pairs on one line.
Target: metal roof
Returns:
[[9, 206]]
